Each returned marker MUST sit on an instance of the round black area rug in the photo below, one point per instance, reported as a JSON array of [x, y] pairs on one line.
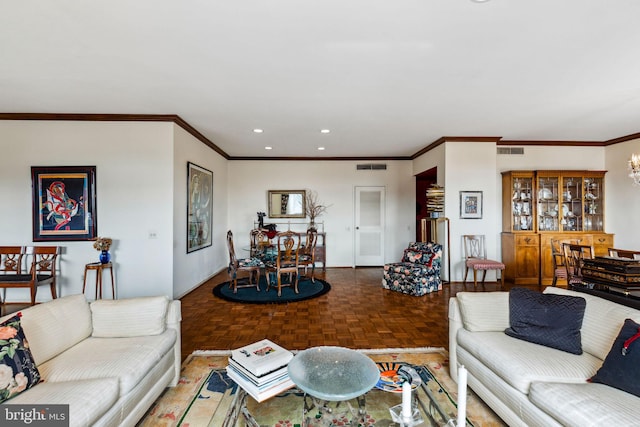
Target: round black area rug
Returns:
[[306, 290]]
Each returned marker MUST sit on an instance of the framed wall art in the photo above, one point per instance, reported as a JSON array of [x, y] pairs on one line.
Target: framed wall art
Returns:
[[64, 203], [471, 204], [199, 207]]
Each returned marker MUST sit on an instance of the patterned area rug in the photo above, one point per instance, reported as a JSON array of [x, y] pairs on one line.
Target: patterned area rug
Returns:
[[204, 392]]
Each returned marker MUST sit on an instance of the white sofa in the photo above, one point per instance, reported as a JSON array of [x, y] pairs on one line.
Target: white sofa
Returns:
[[528, 384], [108, 359]]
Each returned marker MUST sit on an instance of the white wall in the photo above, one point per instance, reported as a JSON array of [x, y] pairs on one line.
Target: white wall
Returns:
[[622, 196], [470, 166], [134, 177], [191, 270], [334, 181]]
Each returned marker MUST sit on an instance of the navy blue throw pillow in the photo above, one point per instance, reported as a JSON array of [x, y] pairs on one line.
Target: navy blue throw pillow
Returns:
[[547, 319], [621, 370]]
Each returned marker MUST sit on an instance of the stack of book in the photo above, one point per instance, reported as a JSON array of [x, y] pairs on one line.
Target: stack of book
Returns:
[[435, 201], [261, 369]]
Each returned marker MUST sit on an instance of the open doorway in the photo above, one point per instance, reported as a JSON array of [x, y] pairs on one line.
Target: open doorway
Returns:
[[423, 182]]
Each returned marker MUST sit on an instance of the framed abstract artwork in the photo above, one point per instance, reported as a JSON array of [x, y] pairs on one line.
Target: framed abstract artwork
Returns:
[[471, 204], [199, 207], [64, 203]]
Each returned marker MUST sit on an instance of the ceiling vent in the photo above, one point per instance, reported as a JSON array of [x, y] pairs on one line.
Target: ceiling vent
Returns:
[[510, 150], [371, 166]]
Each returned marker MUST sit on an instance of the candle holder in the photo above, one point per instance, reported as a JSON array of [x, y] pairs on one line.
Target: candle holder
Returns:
[[396, 416]]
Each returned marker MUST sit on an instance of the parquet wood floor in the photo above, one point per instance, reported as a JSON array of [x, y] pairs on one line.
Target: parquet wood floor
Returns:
[[357, 313]]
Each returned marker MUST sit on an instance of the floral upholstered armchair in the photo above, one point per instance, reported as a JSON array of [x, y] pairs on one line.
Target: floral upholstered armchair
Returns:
[[419, 271]]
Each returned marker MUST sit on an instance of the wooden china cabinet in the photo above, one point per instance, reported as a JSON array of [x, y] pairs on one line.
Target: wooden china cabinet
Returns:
[[538, 206]]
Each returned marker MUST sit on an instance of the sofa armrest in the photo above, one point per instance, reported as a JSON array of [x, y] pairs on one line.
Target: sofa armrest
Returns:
[[475, 311], [455, 324], [174, 317]]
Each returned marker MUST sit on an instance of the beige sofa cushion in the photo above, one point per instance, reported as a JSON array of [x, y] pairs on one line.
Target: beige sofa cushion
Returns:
[[53, 327], [127, 359], [88, 400], [586, 404], [484, 311], [133, 317], [520, 363]]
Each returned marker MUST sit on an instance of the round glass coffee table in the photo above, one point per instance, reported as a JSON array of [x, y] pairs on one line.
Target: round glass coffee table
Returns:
[[333, 374]]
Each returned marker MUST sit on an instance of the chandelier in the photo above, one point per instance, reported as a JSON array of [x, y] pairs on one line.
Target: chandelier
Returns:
[[634, 168]]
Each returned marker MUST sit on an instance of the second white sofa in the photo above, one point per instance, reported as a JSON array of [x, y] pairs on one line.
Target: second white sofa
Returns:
[[529, 384]]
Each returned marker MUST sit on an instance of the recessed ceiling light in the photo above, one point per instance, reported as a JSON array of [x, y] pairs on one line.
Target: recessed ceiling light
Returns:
[[258, 131], [325, 131], [268, 148], [320, 148]]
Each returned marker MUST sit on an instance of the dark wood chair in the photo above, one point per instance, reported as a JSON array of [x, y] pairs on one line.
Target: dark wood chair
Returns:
[[475, 254], [258, 242], [624, 253], [249, 265], [574, 254], [42, 270], [307, 255], [557, 255], [286, 261]]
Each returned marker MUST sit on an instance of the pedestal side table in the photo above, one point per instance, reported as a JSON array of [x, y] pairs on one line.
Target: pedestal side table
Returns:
[[99, 268]]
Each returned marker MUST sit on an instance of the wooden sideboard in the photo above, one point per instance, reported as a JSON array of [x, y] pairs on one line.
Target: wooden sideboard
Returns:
[[538, 206]]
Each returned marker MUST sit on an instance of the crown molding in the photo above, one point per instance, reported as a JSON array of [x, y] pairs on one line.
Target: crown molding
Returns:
[[196, 134]]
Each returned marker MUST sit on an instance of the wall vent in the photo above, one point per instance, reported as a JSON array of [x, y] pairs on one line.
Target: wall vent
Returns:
[[371, 166], [510, 150]]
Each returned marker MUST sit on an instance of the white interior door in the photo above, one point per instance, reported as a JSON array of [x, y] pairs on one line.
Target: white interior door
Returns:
[[369, 226]]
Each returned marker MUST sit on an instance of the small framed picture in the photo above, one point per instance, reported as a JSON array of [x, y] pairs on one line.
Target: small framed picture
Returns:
[[471, 204], [64, 203]]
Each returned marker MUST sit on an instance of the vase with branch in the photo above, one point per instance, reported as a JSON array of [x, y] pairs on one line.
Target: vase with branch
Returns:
[[313, 207]]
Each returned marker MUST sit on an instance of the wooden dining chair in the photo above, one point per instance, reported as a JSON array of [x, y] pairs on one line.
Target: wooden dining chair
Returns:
[[42, 270], [286, 261], [574, 254], [557, 255], [258, 241], [251, 265], [624, 253], [475, 254], [307, 256]]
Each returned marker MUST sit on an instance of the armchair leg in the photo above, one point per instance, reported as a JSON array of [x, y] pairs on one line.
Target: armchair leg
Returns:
[[475, 278], [466, 272]]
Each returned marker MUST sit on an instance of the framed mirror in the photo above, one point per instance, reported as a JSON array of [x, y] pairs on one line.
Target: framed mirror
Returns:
[[287, 204]]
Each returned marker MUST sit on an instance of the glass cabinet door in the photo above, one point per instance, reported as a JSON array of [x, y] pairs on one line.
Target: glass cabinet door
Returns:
[[548, 209], [570, 211], [593, 204], [522, 203]]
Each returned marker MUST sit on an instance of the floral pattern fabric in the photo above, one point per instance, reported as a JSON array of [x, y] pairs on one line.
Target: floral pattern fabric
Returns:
[[18, 371], [419, 271]]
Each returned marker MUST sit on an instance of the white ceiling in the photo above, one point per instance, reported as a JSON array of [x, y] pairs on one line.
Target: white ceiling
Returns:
[[387, 77]]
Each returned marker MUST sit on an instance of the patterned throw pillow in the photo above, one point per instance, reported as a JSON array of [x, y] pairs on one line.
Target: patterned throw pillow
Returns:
[[18, 371], [418, 257], [620, 367], [547, 319]]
